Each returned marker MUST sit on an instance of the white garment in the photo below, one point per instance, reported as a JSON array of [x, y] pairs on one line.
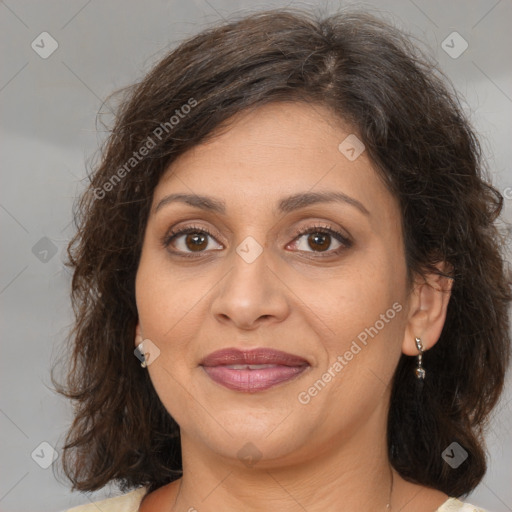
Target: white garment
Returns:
[[130, 502]]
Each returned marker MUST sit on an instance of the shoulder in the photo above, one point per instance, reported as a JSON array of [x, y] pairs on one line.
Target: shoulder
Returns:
[[128, 502], [455, 505]]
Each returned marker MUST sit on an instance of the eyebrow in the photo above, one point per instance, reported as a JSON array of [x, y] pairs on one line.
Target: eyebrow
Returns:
[[285, 205]]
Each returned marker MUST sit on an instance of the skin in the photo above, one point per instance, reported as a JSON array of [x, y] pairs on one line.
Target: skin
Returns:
[[295, 297]]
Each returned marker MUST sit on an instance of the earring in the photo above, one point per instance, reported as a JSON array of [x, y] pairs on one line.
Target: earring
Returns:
[[419, 370], [140, 348]]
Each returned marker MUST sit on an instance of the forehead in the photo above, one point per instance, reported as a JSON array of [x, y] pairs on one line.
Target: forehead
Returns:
[[275, 150]]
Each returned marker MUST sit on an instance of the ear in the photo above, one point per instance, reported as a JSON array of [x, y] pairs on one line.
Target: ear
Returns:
[[428, 303]]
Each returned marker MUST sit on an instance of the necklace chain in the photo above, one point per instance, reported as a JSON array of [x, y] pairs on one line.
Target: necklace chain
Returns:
[[388, 506]]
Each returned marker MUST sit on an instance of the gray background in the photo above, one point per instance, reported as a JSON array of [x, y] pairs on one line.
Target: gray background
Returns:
[[49, 136]]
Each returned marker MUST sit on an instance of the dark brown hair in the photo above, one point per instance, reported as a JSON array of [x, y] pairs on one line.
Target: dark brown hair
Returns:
[[420, 141]]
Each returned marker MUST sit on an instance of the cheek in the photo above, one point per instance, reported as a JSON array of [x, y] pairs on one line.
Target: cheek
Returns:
[[165, 312], [364, 310], [366, 320], [161, 311], [164, 299]]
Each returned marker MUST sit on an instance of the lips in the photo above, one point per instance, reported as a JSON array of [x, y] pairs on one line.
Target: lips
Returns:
[[252, 370], [231, 356]]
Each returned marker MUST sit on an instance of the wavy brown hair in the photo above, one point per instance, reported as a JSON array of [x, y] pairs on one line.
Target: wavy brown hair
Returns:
[[421, 143]]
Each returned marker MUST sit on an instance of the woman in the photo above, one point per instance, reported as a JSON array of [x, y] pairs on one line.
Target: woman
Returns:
[[292, 230]]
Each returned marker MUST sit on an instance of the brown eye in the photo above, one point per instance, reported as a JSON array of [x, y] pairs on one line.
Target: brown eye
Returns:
[[196, 241], [319, 241], [188, 240]]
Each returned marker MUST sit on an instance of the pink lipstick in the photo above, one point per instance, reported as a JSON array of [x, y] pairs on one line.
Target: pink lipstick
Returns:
[[252, 370]]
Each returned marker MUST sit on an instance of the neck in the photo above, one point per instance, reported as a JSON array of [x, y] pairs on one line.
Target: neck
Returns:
[[356, 475]]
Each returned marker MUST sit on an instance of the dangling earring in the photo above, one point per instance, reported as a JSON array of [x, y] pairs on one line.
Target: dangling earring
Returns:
[[140, 349], [143, 356], [419, 370]]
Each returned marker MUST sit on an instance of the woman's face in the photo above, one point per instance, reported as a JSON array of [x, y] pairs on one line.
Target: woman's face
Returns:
[[286, 266]]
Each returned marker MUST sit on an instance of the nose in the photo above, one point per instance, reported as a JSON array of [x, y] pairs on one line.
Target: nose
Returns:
[[251, 293]]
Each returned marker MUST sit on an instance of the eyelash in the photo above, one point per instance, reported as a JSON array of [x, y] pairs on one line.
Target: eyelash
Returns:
[[346, 243]]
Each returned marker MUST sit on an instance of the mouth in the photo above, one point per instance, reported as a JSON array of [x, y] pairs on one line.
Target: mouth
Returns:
[[252, 370]]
